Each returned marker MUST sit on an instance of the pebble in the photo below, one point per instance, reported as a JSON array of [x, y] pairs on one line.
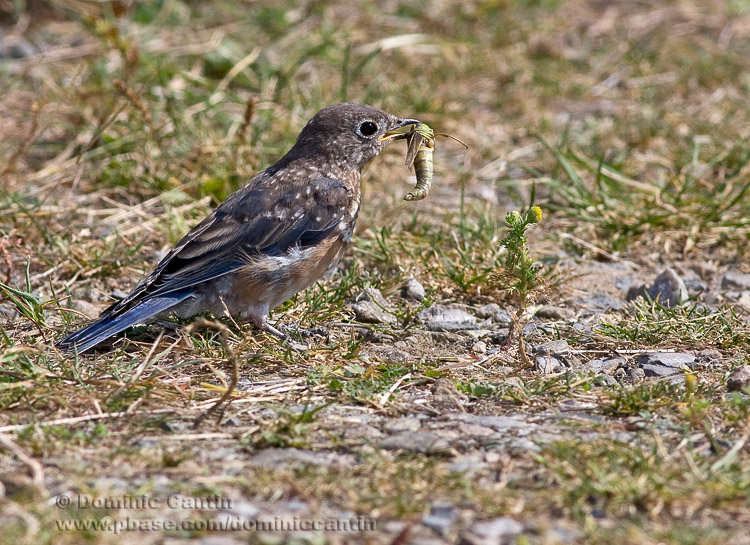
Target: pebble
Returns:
[[664, 364], [551, 312], [668, 290], [651, 370], [413, 290], [495, 312], [695, 287], [440, 318], [600, 303], [710, 354], [480, 347], [283, 457], [604, 365], [735, 279], [668, 359], [441, 518], [492, 532], [445, 396], [489, 421], [369, 308], [739, 379], [487, 310], [398, 425], [559, 348], [416, 441], [548, 364], [18, 48]]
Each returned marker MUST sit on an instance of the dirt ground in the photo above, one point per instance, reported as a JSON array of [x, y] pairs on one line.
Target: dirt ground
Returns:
[[404, 411]]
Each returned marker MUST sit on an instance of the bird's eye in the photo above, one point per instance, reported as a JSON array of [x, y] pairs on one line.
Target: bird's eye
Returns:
[[368, 128]]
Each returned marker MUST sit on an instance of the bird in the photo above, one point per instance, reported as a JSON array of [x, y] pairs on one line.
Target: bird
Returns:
[[272, 238]]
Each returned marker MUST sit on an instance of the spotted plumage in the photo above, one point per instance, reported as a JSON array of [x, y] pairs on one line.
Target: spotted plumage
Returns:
[[271, 238]]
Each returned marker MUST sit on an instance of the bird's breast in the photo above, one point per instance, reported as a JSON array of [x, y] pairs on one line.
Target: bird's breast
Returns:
[[274, 279]]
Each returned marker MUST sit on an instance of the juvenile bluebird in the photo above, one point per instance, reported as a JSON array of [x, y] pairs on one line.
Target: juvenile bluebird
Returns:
[[268, 240]]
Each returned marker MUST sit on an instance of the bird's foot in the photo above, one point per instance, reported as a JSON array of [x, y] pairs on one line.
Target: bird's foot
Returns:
[[284, 337], [303, 333]]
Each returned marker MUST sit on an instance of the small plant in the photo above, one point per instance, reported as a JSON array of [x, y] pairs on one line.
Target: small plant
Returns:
[[27, 304], [521, 274], [291, 428]]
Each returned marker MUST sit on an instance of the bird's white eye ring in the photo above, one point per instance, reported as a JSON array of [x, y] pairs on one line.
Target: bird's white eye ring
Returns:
[[367, 129]]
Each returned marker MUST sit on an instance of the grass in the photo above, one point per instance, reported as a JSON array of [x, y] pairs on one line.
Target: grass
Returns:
[[626, 123]]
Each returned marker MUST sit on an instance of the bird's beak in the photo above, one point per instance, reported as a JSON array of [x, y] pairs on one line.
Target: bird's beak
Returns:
[[400, 130]]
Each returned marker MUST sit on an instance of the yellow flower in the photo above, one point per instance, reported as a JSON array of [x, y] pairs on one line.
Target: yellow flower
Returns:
[[537, 212]]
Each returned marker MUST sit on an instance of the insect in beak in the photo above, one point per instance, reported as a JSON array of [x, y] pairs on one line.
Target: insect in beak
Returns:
[[401, 130]]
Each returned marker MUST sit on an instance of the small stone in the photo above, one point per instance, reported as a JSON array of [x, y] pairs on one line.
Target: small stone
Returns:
[[548, 364], [709, 354], [91, 310], [244, 509], [370, 307], [492, 532], [477, 334], [287, 457], [559, 348], [502, 317], [398, 425], [495, 312], [551, 312], [446, 398], [695, 287], [400, 344], [174, 427], [395, 355], [562, 535], [18, 48], [623, 283], [362, 432], [8, 311], [600, 303], [415, 441], [413, 290], [500, 336], [675, 360], [651, 370], [441, 518], [144, 443], [439, 318], [668, 290], [480, 347], [735, 279], [487, 310], [491, 421], [739, 379], [635, 374], [605, 365], [744, 300], [118, 294]]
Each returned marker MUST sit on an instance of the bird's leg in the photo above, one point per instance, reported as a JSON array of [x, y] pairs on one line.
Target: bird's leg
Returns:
[[263, 323], [272, 330]]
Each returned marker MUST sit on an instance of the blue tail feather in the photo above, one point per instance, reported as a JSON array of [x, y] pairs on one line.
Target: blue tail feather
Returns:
[[106, 326]]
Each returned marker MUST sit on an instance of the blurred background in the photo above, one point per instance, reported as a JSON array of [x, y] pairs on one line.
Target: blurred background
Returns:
[[621, 116], [122, 124]]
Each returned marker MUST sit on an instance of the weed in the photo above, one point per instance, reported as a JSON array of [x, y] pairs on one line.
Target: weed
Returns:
[[520, 275]]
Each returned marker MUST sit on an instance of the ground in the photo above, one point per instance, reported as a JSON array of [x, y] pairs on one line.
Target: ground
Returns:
[[401, 417]]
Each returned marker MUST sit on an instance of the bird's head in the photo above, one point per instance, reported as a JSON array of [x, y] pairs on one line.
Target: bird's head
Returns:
[[349, 135]]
